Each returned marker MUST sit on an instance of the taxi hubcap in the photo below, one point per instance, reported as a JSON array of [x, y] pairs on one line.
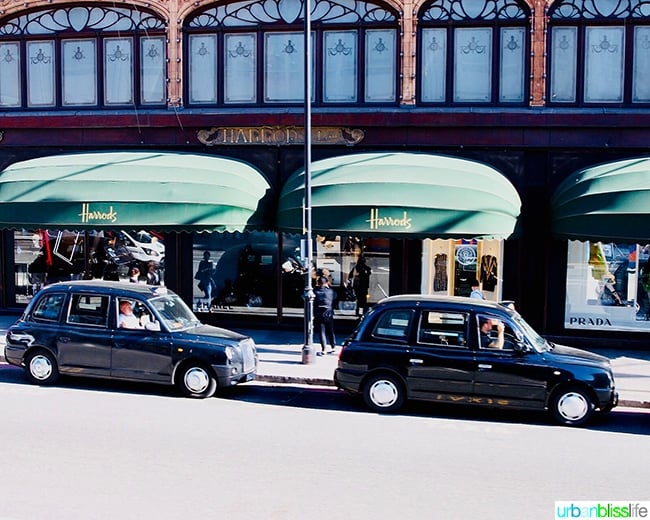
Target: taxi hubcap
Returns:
[[40, 367], [573, 406], [196, 380], [383, 393]]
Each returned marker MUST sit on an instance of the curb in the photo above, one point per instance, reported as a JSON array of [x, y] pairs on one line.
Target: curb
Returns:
[[311, 381], [629, 403]]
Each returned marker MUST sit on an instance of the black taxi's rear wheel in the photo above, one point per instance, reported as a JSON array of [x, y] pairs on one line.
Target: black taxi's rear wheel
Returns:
[[41, 368], [572, 406], [384, 393], [197, 380]]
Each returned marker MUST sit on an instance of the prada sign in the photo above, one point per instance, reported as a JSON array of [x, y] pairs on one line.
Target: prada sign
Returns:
[[279, 135]]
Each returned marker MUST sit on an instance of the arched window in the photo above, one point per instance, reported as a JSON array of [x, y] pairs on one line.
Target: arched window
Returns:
[[473, 52], [82, 57], [252, 52], [599, 52]]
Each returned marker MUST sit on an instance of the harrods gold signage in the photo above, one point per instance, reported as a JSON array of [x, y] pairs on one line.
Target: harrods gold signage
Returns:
[[89, 215], [279, 135], [378, 221]]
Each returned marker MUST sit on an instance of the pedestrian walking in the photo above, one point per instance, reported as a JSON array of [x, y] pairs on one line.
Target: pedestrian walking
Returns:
[[324, 297]]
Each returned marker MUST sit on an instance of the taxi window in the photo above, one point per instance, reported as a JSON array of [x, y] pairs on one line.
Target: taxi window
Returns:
[[447, 329], [88, 309], [49, 307], [393, 325]]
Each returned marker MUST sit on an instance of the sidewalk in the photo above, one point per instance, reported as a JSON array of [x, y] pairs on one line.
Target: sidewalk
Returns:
[[280, 362]]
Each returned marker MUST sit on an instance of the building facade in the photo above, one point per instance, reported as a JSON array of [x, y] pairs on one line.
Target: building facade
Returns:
[[539, 92]]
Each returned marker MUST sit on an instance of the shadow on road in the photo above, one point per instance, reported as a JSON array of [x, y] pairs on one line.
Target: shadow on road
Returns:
[[620, 420]]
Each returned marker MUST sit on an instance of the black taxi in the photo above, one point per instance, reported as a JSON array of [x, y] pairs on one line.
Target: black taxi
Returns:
[[469, 351], [126, 331]]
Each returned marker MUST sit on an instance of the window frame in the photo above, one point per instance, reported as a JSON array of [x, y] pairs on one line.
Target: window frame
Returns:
[[144, 25], [263, 29], [451, 24], [575, 20]]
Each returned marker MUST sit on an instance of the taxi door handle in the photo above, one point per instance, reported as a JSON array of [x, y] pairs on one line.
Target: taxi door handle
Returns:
[[484, 366], [415, 361]]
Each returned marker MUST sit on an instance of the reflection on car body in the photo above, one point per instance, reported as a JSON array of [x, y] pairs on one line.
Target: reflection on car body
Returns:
[[72, 328], [429, 348]]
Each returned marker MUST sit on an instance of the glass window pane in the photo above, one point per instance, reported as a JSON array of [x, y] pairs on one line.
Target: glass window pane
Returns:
[[40, 73], [118, 71], [241, 68], [340, 66], [284, 67], [473, 65], [604, 50], [203, 68], [381, 65], [641, 71], [563, 64], [434, 64], [512, 65], [79, 72], [152, 69], [10, 92]]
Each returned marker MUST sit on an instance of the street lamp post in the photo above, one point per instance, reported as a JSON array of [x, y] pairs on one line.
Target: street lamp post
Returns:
[[308, 348]]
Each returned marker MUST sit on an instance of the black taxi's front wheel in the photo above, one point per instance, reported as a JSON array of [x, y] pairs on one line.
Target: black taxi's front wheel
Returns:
[[196, 380], [384, 393], [572, 406]]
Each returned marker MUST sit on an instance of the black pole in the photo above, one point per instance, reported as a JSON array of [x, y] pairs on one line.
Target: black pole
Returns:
[[307, 349]]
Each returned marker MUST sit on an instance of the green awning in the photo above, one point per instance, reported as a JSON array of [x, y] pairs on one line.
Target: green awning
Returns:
[[152, 190], [403, 195], [606, 202]]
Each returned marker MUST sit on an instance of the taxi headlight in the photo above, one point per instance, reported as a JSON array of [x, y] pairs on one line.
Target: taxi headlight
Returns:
[[230, 353]]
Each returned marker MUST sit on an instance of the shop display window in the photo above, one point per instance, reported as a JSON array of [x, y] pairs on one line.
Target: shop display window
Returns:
[[43, 257], [450, 266], [243, 270], [608, 286]]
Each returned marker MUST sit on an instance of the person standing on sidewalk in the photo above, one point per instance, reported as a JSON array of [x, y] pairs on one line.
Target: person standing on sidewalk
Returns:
[[324, 297], [476, 290]]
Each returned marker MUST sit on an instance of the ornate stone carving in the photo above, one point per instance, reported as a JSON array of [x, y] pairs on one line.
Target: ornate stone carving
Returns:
[[279, 135]]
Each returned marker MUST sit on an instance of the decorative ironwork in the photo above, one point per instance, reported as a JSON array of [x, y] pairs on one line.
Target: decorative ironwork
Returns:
[[40, 58], [605, 46], [339, 48], [8, 57], [78, 55], [478, 10], [80, 19], [380, 47], [512, 44], [434, 46], [473, 47], [564, 43], [118, 55], [241, 51], [289, 48], [203, 50], [153, 52], [255, 12], [600, 9]]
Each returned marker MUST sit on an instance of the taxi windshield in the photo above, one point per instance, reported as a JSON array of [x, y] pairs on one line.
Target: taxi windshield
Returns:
[[531, 335], [173, 312]]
